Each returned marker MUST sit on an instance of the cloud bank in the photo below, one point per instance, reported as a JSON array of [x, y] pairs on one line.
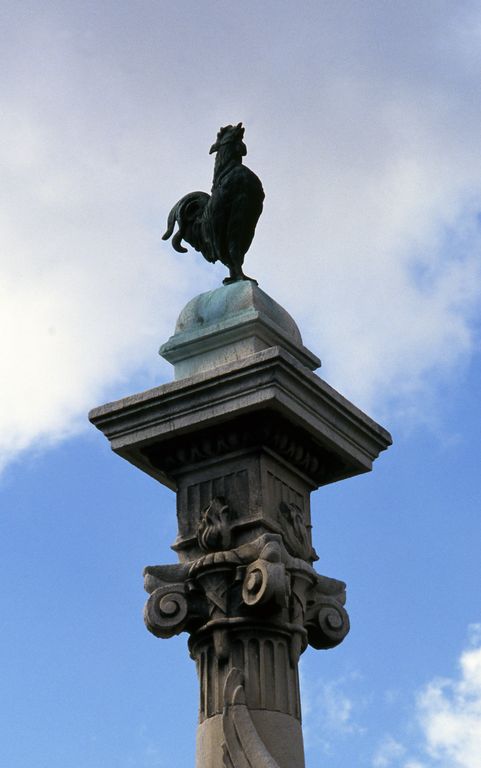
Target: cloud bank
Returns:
[[448, 717], [361, 120], [450, 714]]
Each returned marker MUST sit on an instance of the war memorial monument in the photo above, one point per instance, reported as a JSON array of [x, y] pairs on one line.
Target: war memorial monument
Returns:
[[243, 435]]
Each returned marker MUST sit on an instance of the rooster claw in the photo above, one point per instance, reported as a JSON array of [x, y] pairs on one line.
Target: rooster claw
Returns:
[[230, 280]]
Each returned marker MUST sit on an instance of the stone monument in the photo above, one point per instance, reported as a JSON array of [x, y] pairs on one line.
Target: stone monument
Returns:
[[243, 435]]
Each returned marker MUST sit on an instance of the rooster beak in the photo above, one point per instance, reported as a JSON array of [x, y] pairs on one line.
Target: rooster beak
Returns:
[[213, 148]]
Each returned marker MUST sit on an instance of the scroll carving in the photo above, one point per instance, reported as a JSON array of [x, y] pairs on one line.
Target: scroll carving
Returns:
[[250, 611], [327, 623], [266, 580], [233, 586], [166, 610]]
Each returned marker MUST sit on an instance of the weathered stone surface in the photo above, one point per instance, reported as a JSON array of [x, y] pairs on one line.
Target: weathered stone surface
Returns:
[[244, 439], [228, 324], [165, 425], [251, 610], [280, 734]]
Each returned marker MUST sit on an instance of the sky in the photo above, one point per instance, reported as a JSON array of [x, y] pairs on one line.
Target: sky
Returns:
[[362, 120]]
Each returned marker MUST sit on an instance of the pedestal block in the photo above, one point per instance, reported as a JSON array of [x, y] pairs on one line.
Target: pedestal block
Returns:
[[244, 435]]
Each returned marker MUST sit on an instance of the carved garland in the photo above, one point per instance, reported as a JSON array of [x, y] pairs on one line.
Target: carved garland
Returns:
[[267, 429]]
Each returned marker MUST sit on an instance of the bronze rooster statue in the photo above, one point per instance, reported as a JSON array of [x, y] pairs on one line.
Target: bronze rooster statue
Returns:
[[221, 225]]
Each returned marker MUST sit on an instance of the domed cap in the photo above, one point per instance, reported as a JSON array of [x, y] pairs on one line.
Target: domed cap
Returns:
[[229, 324]]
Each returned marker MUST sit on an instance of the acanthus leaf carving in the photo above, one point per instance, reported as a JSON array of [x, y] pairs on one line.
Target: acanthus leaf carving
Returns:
[[214, 526], [295, 532], [242, 747]]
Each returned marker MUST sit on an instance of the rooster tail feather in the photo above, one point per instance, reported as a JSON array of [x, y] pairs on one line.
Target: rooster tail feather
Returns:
[[170, 223], [177, 242], [187, 213]]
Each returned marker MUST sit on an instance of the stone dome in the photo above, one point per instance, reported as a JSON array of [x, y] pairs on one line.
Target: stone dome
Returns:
[[228, 324]]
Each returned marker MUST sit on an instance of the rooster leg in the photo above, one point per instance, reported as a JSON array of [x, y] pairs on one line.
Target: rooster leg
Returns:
[[235, 275]]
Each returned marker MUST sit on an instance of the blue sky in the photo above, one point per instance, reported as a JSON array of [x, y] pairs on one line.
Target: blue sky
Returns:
[[362, 120]]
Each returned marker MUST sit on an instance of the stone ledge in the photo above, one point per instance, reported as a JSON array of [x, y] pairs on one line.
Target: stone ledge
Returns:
[[270, 381]]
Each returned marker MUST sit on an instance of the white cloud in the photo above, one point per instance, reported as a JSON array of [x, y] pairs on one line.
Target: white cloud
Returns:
[[330, 710], [363, 128], [450, 714], [474, 635], [447, 718], [389, 751], [74, 316]]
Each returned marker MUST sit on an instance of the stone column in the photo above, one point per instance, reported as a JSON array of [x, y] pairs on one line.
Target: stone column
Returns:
[[244, 435]]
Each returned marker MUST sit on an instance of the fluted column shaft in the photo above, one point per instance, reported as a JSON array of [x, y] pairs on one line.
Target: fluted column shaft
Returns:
[[243, 436]]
